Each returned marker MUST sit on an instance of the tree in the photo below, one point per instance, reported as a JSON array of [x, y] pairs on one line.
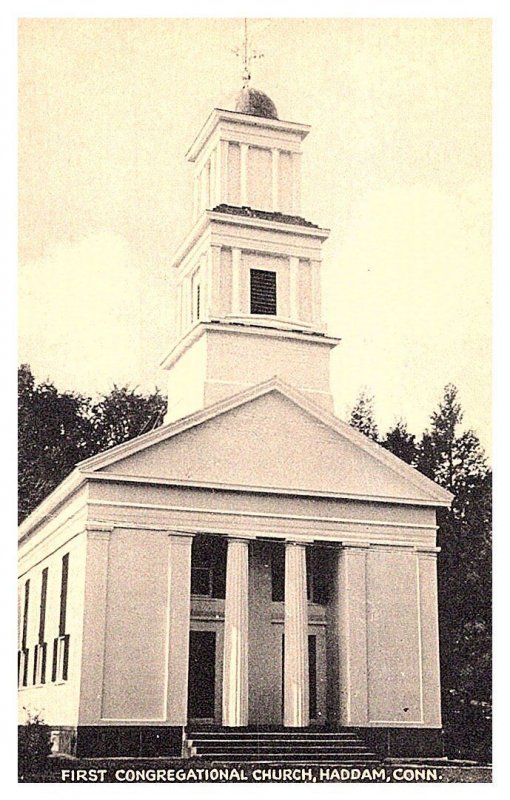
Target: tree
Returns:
[[438, 457], [456, 461], [363, 416], [54, 433], [59, 429], [125, 413], [401, 443]]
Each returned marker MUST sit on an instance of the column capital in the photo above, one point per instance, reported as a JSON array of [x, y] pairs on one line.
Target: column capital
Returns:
[[427, 552], [355, 545], [240, 539], [181, 535], [98, 530]]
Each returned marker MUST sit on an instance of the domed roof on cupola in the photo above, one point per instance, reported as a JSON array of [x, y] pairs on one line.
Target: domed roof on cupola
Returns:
[[252, 101]]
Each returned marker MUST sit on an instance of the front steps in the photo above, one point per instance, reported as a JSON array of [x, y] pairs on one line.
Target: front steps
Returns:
[[291, 745]]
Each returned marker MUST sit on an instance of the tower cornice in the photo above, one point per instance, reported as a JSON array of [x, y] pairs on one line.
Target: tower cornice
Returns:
[[256, 223], [278, 330], [219, 115]]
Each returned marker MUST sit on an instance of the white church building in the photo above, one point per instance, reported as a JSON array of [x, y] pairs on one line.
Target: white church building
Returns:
[[255, 565]]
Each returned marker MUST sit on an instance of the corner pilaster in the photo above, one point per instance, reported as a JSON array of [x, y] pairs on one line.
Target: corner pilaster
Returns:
[[179, 609]]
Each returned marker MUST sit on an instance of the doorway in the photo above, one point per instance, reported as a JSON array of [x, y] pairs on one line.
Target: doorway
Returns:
[[202, 675]]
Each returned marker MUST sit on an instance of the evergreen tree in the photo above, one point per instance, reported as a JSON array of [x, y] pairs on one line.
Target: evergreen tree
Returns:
[[456, 461], [401, 443], [363, 416]]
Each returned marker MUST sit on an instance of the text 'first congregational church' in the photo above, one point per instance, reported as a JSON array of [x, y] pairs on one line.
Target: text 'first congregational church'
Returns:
[[254, 567]]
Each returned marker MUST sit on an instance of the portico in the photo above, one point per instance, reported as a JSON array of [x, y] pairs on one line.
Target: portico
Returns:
[[291, 663]]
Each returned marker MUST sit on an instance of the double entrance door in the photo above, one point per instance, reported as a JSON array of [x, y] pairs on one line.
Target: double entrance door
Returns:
[[205, 678]]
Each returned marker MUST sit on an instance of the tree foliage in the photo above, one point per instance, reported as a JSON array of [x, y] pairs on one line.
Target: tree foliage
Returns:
[[57, 429], [401, 443], [54, 433], [363, 415], [455, 459], [123, 414]]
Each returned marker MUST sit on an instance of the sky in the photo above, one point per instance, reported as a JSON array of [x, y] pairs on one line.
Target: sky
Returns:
[[397, 165]]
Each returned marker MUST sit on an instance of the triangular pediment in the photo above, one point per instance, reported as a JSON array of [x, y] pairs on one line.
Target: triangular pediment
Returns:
[[273, 438]]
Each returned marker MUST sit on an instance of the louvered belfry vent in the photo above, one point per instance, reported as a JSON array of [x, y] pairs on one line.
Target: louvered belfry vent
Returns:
[[262, 292]]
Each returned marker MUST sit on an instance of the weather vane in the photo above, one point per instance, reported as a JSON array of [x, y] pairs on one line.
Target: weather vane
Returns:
[[248, 54]]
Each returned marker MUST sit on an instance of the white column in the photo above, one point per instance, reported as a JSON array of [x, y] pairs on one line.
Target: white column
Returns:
[[350, 611], [179, 608], [212, 180], [236, 280], [203, 190], [223, 172], [296, 183], [294, 287], [208, 184], [316, 291], [275, 171], [212, 309], [296, 690], [244, 174], [235, 654]]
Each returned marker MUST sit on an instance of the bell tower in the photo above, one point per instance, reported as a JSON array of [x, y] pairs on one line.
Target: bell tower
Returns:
[[247, 278]]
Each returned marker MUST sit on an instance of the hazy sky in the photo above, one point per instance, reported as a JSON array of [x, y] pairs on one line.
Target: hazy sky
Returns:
[[397, 164]]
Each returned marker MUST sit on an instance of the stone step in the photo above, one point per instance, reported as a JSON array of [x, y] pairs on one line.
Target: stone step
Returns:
[[300, 745], [308, 758], [330, 737], [354, 750], [268, 740]]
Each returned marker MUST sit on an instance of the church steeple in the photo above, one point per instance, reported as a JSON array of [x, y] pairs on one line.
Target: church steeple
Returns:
[[247, 277]]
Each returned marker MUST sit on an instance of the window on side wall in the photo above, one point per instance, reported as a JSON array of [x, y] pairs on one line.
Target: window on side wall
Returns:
[[40, 650], [23, 652], [60, 667]]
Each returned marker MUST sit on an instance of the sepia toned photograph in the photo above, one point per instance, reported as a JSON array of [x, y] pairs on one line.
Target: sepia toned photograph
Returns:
[[254, 400]]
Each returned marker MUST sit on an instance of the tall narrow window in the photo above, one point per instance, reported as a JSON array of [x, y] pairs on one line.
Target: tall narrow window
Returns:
[[318, 572], [208, 566], [23, 653], [63, 595], [195, 296], [61, 642], [42, 611], [40, 648], [262, 292]]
